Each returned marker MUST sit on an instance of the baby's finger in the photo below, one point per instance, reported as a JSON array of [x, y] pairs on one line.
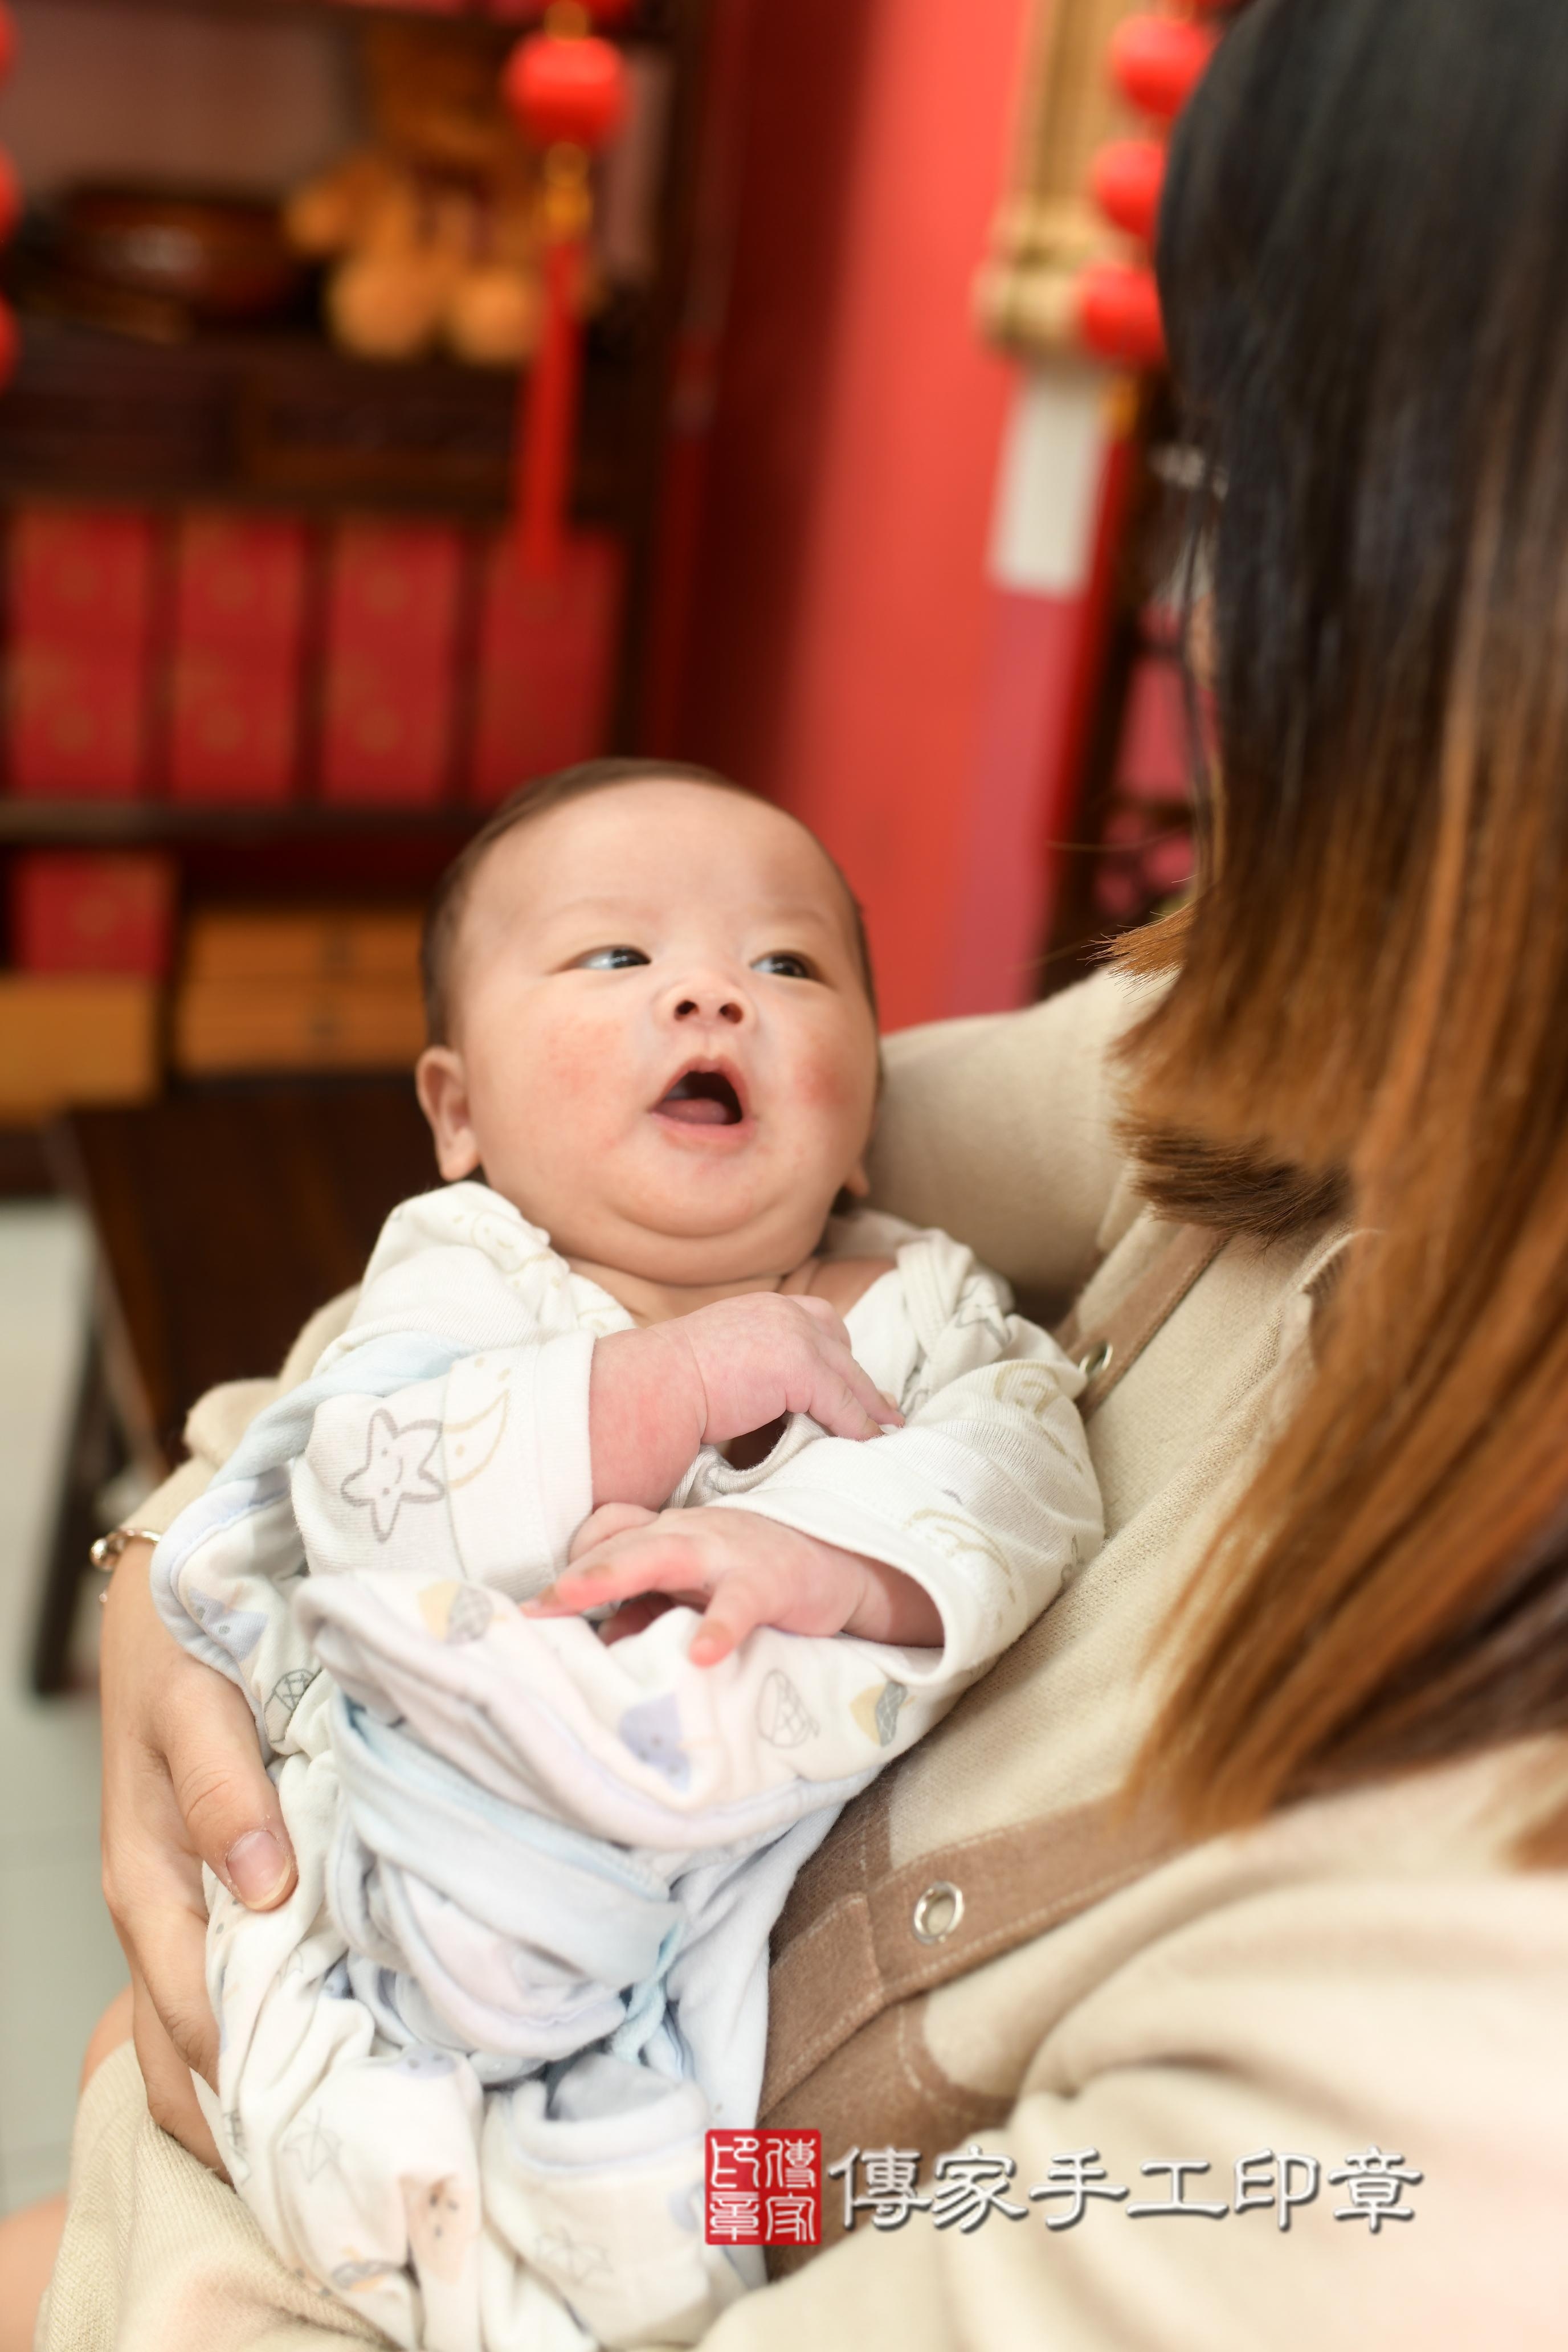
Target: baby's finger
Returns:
[[847, 1402], [609, 1519], [635, 1563], [883, 1411], [737, 1608], [821, 1310]]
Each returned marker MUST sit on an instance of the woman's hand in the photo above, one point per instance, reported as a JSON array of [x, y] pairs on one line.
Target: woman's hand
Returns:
[[183, 1784], [742, 1570]]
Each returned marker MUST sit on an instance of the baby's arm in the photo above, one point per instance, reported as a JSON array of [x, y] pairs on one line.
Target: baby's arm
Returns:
[[657, 1396], [495, 1464], [742, 1570], [482, 1472], [954, 1532], [986, 1498]]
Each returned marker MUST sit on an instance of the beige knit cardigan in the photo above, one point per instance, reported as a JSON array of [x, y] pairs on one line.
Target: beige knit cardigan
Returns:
[[1364, 1977]]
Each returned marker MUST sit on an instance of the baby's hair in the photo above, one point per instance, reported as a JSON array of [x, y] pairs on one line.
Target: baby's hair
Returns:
[[444, 915]]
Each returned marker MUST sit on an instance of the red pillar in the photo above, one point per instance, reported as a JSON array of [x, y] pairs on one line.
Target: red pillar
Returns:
[[842, 646]]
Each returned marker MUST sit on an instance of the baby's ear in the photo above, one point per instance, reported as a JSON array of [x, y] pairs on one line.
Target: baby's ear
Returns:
[[442, 1087], [855, 1187]]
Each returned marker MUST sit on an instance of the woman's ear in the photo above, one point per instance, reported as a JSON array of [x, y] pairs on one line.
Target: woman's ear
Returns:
[[442, 1087]]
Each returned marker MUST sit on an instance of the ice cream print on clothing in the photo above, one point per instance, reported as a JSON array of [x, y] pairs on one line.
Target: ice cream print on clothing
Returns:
[[466, 2070]]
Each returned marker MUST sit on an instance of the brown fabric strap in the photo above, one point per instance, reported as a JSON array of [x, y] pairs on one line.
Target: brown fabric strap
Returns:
[[846, 1946], [1147, 1306]]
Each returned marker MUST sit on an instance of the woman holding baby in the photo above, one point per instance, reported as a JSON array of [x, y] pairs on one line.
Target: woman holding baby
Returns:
[[1245, 1867]]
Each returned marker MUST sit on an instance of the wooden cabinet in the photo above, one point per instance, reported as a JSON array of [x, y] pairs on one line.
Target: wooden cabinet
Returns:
[[277, 422]]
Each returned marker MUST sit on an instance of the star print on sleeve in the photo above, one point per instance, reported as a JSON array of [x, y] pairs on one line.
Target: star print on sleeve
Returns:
[[313, 2148], [396, 1470]]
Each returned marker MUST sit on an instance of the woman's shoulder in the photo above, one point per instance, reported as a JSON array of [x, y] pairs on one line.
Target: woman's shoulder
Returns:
[[1004, 1129], [1087, 1017]]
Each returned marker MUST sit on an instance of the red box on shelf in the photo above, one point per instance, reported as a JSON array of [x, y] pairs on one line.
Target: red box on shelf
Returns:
[[233, 727], [386, 732], [77, 722], [393, 594], [239, 618], [547, 650], [394, 590], [72, 912], [83, 576], [240, 584], [82, 586]]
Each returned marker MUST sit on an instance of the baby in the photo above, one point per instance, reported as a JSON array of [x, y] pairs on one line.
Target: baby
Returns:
[[628, 1361]]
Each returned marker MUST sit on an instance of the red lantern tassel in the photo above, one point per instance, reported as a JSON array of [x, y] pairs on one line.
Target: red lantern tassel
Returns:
[[568, 92], [547, 425]]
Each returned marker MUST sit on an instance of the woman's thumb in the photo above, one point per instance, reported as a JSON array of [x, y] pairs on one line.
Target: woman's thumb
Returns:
[[229, 1806], [258, 1867]]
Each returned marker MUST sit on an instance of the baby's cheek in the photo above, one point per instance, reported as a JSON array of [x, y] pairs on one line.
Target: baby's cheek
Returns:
[[834, 1079], [576, 1069], [545, 1115]]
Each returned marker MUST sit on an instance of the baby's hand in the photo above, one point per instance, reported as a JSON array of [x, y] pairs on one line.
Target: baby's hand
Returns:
[[747, 1570], [656, 1396]]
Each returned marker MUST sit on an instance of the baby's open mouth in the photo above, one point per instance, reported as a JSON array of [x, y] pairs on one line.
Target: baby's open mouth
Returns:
[[702, 1099]]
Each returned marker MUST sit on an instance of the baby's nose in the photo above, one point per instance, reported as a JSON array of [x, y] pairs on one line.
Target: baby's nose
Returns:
[[708, 1005], [698, 999]]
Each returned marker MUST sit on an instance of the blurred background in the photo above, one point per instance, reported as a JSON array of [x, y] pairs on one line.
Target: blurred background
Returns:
[[400, 402]]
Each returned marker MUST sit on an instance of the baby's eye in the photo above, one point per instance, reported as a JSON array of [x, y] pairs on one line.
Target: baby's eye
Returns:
[[611, 960], [785, 965]]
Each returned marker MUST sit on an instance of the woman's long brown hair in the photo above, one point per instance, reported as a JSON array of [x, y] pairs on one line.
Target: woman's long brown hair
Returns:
[[1364, 262]]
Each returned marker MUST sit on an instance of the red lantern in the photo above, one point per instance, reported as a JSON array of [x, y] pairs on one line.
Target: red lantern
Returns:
[[568, 92], [529, 11], [1157, 62], [1118, 315], [1125, 180]]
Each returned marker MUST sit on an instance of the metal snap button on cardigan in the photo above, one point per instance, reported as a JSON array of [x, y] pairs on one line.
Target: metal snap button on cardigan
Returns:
[[1097, 1360], [937, 1912]]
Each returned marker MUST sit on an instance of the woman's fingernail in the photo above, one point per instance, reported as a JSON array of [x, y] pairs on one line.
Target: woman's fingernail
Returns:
[[256, 1867]]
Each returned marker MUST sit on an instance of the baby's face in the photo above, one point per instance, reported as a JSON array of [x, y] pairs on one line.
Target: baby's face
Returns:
[[662, 1050]]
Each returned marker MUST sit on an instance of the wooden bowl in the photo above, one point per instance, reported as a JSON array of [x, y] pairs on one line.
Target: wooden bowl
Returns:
[[223, 260]]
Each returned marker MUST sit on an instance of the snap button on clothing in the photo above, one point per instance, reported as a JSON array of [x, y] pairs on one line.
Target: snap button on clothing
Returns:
[[1096, 1361], [937, 1912]]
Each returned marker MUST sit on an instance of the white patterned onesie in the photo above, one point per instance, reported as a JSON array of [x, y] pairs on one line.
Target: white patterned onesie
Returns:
[[466, 2070]]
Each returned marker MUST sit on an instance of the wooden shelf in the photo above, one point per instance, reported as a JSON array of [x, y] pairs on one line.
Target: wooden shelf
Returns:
[[119, 825], [308, 850], [650, 21], [281, 419]]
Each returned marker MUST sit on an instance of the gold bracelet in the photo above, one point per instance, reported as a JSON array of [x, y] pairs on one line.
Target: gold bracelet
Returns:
[[105, 1553]]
